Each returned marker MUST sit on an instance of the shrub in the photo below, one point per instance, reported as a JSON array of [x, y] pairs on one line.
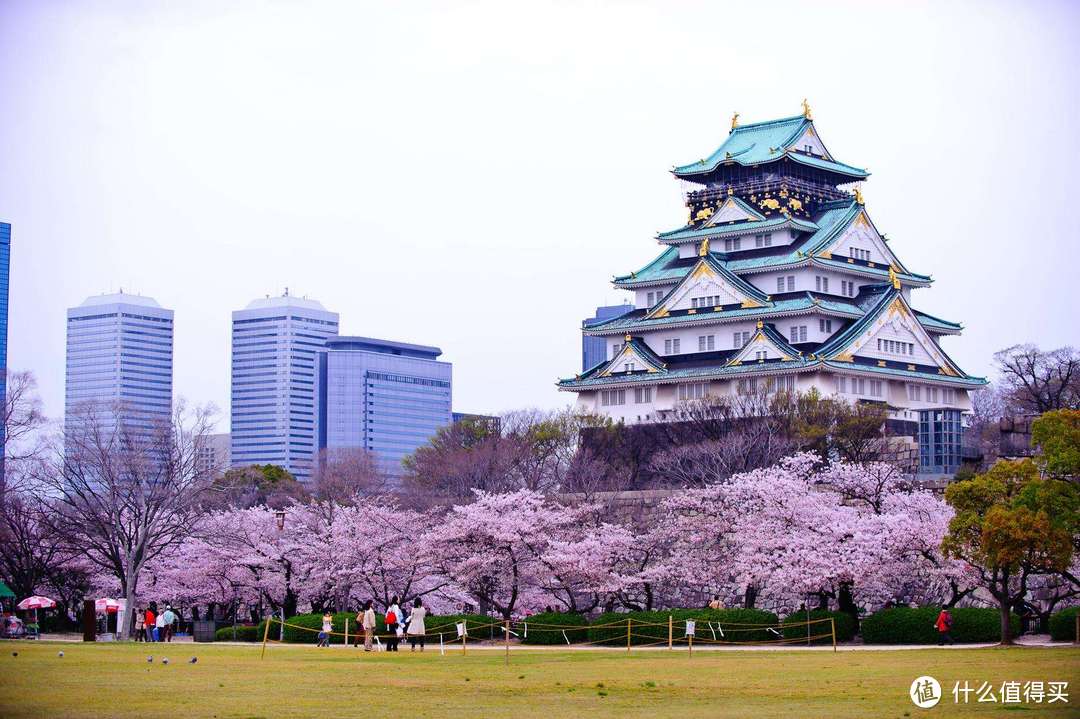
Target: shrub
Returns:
[[1063, 625], [845, 626], [719, 625], [554, 636], [905, 625], [244, 633], [478, 626]]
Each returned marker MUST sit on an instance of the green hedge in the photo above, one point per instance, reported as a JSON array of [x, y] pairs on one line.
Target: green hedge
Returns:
[[433, 623], [845, 626], [905, 625], [244, 633], [1063, 625], [553, 636], [723, 622]]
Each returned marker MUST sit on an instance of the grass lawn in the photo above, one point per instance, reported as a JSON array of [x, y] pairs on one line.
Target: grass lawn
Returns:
[[231, 682]]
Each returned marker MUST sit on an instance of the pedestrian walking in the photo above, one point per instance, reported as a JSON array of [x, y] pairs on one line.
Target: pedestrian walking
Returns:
[[368, 624], [416, 629], [327, 627], [394, 618], [944, 627]]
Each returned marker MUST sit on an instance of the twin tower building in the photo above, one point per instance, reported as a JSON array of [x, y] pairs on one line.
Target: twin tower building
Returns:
[[298, 387]]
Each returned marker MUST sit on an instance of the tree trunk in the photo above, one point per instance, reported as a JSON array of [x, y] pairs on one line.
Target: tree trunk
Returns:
[[125, 631], [1006, 625], [749, 596]]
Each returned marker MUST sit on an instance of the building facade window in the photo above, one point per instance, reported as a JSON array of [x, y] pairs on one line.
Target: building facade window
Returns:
[[763, 240], [694, 390], [706, 343], [739, 339], [671, 346], [797, 333], [612, 397], [940, 435], [707, 301], [821, 284], [642, 395], [732, 244], [825, 326]]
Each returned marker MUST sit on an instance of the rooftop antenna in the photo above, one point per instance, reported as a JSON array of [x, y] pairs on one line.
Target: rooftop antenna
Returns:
[[286, 292]]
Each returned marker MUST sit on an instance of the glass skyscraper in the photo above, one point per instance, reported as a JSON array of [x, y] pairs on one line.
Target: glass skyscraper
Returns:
[[594, 349], [275, 353], [385, 397], [5, 268], [120, 361]]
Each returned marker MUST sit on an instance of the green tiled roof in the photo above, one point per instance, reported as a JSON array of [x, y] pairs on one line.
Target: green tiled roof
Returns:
[[737, 228], [688, 373], [763, 142], [804, 303], [900, 372], [936, 323], [830, 223]]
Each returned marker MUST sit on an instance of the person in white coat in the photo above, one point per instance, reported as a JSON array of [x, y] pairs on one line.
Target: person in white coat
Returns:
[[416, 629]]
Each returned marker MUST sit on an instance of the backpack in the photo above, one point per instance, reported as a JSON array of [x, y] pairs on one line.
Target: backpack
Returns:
[[391, 618]]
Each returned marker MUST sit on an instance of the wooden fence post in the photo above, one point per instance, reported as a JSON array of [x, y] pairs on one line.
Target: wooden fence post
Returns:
[[628, 635], [506, 629], [266, 636], [832, 623], [670, 633]]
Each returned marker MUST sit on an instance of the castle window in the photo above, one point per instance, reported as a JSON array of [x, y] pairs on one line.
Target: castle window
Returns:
[[761, 355], [610, 397], [763, 240], [875, 388], [797, 333], [825, 326], [732, 244], [643, 395], [694, 390], [671, 346], [791, 283], [706, 343], [821, 283], [739, 339]]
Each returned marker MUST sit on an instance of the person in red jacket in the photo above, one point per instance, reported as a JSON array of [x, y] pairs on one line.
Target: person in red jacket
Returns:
[[944, 626], [150, 620]]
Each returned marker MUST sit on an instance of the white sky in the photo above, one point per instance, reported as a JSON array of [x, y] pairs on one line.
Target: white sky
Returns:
[[471, 175]]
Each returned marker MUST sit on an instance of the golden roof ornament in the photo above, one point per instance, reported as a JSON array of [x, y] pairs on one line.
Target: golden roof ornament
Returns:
[[806, 109], [734, 121], [760, 324], [893, 278], [858, 196], [628, 337], [703, 251]]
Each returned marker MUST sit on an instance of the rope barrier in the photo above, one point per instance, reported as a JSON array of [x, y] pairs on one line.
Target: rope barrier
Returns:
[[614, 640]]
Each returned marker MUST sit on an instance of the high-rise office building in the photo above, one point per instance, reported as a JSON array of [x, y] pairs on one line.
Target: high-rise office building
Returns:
[[120, 362], [594, 349], [275, 349], [212, 454], [386, 397], [5, 267]]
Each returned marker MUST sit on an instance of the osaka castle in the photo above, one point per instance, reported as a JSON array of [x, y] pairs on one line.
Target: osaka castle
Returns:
[[779, 281]]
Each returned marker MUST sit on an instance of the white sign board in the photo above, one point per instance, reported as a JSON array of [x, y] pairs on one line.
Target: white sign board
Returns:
[[690, 625]]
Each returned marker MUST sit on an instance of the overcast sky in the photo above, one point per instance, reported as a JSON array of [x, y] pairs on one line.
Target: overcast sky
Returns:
[[471, 175]]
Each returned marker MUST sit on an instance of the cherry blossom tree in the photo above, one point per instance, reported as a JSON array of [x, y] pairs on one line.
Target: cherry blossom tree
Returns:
[[798, 530]]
